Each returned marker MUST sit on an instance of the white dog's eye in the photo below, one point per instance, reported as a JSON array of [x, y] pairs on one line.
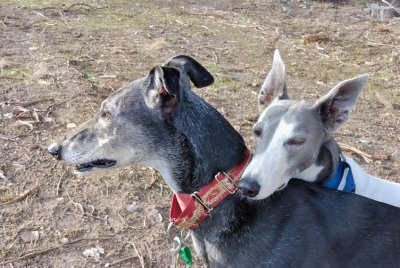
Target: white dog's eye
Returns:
[[295, 141], [257, 132], [105, 115]]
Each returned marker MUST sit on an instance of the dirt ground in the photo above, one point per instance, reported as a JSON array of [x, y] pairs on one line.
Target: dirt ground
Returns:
[[59, 59]]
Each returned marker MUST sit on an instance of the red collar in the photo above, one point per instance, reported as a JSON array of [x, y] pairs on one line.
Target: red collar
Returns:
[[189, 210]]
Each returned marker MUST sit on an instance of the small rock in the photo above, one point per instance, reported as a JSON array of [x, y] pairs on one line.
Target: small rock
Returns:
[[71, 125], [160, 217], [370, 63], [30, 236], [47, 119], [94, 252], [64, 240], [8, 115], [364, 141], [132, 207]]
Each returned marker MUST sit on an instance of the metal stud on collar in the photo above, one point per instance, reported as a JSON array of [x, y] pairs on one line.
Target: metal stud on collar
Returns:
[[223, 184], [201, 202]]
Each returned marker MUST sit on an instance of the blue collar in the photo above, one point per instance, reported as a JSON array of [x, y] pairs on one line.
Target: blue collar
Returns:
[[343, 179]]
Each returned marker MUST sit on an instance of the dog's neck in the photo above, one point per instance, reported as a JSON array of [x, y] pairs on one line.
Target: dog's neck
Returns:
[[211, 144], [325, 165], [214, 144]]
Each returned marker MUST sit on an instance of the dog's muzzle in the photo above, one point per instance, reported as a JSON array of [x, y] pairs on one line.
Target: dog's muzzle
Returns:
[[55, 151]]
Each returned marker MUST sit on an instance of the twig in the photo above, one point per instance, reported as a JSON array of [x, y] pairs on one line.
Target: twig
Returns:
[[7, 138], [107, 76], [22, 40], [50, 108], [141, 259], [22, 196], [59, 183], [345, 147], [380, 44], [18, 136], [150, 257], [83, 5], [121, 218], [28, 103], [390, 5], [42, 251], [122, 260], [26, 123], [215, 57], [77, 205], [41, 15]]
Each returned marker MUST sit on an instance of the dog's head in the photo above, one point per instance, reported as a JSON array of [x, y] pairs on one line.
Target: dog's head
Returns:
[[133, 123], [289, 133]]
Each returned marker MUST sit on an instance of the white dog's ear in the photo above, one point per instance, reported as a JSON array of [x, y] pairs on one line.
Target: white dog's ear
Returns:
[[334, 107], [274, 84]]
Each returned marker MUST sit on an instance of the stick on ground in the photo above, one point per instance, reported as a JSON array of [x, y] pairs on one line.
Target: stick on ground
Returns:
[[42, 251], [22, 196]]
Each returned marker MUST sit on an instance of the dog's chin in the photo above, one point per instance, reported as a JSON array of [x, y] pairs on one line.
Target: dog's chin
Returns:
[[262, 196], [97, 165]]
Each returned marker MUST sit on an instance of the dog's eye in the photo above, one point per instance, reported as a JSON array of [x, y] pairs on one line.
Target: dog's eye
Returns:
[[257, 132], [296, 141], [105, 115]]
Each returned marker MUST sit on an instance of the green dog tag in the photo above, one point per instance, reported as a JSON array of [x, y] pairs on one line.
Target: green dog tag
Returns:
[[186, 255]]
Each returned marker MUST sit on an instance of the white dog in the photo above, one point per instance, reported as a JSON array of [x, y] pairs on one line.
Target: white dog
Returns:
[[294, 140]]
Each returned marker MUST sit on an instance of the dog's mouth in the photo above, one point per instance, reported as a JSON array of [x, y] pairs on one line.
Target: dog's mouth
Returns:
[[100, 163], [282, 186]]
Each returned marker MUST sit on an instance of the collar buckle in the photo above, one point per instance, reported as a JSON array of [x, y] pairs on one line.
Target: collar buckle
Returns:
[[223, 184], [200, 201]]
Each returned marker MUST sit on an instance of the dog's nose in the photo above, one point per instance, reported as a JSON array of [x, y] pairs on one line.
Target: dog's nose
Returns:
[[249, 188], [55, 150]]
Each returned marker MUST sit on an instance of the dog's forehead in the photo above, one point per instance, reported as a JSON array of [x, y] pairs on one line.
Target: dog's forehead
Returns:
[[119, 97], [299, 111], [296, 113], [275, 111]]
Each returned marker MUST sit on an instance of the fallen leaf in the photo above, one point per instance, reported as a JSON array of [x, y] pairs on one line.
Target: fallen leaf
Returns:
[[383, 29], [316, 38]]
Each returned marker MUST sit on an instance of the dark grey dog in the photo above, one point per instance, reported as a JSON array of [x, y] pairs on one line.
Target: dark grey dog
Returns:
[[158, 121]]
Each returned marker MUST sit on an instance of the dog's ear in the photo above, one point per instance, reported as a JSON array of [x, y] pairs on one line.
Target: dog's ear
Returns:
[[196, 72], [334, 107], [163, 89], [275, 83]]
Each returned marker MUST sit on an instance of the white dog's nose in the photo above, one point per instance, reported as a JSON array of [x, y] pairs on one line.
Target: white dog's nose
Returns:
[[55, 150], [249, 187]]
